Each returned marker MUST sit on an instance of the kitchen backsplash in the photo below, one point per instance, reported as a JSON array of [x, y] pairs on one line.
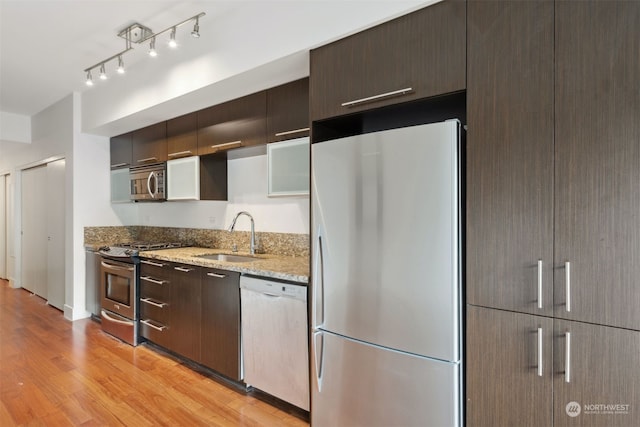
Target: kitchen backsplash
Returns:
[[287, 244]]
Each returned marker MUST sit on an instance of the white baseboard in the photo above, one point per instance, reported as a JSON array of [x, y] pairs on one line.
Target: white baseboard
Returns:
[[71, 314]]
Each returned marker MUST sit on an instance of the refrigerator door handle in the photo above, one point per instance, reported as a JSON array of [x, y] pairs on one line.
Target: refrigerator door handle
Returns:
[[318, 359], [318, 286]]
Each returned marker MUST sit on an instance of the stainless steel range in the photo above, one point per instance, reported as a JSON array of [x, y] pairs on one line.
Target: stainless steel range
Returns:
[[119, 287]]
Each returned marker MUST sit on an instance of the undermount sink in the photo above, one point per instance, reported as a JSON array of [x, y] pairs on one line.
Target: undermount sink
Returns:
[[227, 257]]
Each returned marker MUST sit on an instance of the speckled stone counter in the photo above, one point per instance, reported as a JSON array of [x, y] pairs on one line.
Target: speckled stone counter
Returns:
[[295, 269], [285, 244]]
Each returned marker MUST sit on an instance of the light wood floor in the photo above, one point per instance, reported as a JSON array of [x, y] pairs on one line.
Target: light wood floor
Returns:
[[59, 373]]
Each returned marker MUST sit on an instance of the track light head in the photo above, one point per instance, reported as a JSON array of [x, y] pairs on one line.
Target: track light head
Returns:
[[172, 38], [120, 68], [89, 79], [103, 73], [196, 29], [152, 48]]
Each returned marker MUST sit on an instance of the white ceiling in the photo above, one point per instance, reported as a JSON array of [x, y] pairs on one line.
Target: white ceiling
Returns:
[[45, 45]]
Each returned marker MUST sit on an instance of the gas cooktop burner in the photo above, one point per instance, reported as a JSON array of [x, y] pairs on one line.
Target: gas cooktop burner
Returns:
[[130, 249], [148, 246]]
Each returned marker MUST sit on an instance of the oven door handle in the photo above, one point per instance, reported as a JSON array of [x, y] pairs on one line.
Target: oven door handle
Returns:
[[116, 267], [113, 319]]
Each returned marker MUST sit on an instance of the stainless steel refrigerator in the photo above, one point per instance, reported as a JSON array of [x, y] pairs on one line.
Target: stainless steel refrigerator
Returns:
[[386, 279]]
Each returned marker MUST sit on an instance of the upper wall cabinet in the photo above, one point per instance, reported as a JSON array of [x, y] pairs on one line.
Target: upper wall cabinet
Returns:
[[150, 144], [414, 56], [182, 136], [121, 151], [288, 111], [238, 123], [552, 205]]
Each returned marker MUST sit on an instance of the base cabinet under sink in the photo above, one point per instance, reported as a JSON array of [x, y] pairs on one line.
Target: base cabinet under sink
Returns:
[[220, 325]]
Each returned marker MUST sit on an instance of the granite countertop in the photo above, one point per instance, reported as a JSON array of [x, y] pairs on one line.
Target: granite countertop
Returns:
[[295, 269]]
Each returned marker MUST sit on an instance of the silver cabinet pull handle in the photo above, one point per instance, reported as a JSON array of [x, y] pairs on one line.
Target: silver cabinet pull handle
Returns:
[[398, 92], [289, 132], [216, 275], [152, 302], [148, 159], [184, 270], [567, 276], [539, 352], [155, 264], [151, 325], [567, 358], [231, 144], [180, 153], [149, 279], [117, 165], [540, 284]]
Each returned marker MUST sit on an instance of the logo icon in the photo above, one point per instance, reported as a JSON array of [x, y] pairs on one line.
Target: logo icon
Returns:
[[573, 409]]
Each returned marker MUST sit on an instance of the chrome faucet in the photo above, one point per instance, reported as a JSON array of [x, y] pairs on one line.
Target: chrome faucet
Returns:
[[253, 246]]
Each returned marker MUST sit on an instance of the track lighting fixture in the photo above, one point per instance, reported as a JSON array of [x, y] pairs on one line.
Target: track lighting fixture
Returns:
[[103, 73], [138, 33], [196, 28], [172, 38], [152, 48]]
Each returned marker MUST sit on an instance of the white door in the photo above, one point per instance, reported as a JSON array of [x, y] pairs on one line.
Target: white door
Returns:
[[3, 227], [55, 214], [34, 230]]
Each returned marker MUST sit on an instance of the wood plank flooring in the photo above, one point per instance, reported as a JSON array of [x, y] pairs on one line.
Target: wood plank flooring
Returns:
[[59, 373]]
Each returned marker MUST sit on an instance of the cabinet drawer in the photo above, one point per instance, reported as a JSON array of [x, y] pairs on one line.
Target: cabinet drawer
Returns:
[[154, 309], [154, 331], [415, 56], [157, 289]]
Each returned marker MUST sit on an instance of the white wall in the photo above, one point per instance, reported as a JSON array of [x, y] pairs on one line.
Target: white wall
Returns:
[[247, 186], [15, 127]]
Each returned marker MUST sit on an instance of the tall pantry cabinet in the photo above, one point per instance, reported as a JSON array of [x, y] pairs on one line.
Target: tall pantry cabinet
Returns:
[[553, 213]]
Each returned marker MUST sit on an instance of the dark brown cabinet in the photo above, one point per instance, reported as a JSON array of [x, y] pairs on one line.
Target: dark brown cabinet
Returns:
[[185, 311], [233, 124], [538, 238], [597, 159], [547, 371], [595, 370], [415, 56], [288, 111], [182, 136], [120, 149], [220, 334], [509, 369], [193, 312], [155, 302], [170, 306], [510, 155], [150, 144], [552, 202]]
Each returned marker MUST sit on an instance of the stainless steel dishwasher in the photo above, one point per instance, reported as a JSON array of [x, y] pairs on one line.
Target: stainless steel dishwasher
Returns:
[[274, 338]]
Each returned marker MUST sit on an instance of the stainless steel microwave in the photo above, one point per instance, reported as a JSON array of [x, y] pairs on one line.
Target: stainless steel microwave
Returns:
[[148, 182]]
